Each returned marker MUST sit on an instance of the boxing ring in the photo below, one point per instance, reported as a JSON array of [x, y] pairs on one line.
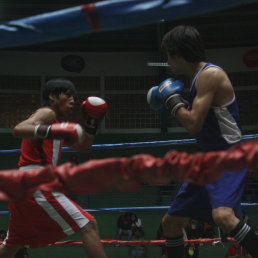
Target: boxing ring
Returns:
[[146, 211], [95, 18]]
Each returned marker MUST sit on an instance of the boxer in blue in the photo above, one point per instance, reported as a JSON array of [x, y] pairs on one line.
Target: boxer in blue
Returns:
[[212, 116]]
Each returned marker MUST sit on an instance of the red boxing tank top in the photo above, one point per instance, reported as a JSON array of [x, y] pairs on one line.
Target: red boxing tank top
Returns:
[[40, 152]]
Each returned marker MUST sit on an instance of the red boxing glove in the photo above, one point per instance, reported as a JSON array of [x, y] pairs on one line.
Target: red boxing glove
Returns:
[[93, 110], [70, 132]]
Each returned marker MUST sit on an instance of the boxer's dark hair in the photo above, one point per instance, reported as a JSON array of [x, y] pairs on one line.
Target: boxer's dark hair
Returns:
[[184, 41], [56, 87]]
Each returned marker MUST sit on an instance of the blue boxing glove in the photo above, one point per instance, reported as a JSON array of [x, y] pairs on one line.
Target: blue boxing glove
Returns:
[[158, 94], [168, 87], [169, 93], [152, 98]]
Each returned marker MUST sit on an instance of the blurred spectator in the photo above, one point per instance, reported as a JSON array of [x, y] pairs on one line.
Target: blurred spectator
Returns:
[[126, 223], [194, 229], [135, 221], [160, 236], [124, 226], [234, 251], [191, 250], [2, 234], [208, 230], [22, 252], [138, 251]]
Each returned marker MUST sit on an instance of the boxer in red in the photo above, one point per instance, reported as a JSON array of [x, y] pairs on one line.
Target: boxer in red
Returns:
[[47, 217]]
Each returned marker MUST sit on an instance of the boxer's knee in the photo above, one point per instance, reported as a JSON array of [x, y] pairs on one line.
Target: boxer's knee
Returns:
[[172, 226], [90, 227], [225, 218]]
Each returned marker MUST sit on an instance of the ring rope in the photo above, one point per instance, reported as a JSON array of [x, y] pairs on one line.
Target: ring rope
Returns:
[[144, 242], [123, 209], [135, 144], [141, 243]]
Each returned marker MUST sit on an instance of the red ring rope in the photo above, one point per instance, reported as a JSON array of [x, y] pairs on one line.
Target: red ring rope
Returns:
[[144, 242]]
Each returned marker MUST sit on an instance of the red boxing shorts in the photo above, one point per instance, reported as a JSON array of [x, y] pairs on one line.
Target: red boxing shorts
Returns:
[[44, 219]]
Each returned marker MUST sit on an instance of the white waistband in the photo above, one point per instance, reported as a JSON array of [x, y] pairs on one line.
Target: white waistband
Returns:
[[29, 167]]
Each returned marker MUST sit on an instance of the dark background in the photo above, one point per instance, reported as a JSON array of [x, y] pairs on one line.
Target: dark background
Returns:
[[228, 28]]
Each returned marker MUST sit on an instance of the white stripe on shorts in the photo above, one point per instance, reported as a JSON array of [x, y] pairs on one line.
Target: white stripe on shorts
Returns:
[[71, 209], [49, 209]]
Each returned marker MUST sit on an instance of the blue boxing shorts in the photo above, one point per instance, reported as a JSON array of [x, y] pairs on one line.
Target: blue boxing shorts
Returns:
[[197, 202]]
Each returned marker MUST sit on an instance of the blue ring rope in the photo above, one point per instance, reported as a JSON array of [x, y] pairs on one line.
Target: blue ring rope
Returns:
[[123, 209], [135, 144]]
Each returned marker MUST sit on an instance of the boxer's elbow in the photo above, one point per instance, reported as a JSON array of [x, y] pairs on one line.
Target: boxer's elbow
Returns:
[[194, 128], [191, 121], [17, 131], [23, 130], [85, 144]]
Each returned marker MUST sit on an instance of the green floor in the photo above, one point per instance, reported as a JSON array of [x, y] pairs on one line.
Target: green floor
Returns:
[[107, 228], [118, 252]]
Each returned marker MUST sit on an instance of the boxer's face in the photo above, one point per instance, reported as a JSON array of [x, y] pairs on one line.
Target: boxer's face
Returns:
[[176, 64], [63, 104]]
